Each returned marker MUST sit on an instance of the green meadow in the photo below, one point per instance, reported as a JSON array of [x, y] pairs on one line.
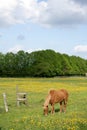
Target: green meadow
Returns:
[[31, 117]]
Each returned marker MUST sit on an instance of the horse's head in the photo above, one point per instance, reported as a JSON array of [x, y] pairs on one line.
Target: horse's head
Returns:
[[46, 103], [45, 110]]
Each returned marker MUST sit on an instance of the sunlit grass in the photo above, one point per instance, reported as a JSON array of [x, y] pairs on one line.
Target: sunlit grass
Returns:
[[31, 117]]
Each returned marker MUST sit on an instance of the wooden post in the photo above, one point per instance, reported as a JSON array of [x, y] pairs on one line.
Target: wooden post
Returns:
[[5, 102], [21, 97]]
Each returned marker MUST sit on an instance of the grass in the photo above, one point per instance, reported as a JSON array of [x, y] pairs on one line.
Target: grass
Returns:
[[31, 117]]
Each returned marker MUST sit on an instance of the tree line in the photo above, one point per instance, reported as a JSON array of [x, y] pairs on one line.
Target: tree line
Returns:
[[44, 63]]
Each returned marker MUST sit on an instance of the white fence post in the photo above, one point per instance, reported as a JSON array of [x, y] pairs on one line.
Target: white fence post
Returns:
[[5, 102], [86, 74]]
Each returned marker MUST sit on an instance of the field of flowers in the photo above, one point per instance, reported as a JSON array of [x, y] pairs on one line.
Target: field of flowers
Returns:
[[31, 117]]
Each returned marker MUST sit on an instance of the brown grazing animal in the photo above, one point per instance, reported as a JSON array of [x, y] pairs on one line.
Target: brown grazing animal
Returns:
[[56, 96]]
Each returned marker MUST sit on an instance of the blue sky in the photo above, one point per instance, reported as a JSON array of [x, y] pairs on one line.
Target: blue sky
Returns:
[[32, 25]]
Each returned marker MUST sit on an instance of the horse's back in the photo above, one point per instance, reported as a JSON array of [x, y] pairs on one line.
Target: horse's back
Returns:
[[58, 95], [65, 92], [53, 91]]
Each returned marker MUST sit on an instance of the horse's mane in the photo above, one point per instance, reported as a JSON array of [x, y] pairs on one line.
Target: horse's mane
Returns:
[[51, 91], [47, 100]]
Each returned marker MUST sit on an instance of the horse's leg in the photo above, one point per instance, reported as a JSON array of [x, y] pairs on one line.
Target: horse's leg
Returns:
[[52, 111], [61, 107], [65, 103]]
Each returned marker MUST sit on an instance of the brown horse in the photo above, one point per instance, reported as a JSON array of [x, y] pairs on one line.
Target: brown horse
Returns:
[[56, 96]]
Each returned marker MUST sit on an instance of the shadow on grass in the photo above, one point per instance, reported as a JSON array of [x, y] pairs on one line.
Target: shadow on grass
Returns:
[[56, 110]]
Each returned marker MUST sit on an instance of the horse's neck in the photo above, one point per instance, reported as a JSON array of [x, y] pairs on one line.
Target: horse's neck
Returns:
[[47, 100]]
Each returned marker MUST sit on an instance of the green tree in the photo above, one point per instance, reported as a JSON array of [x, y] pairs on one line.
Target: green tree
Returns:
[[44, 63], [9, 64], [1, 64], [21, 63]]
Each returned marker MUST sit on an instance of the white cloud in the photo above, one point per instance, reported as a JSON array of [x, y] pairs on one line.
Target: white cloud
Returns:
[[81, 1], [19, 11], [48, 13], [80, 48], [6, 12], [64, 13], [16, 48]]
